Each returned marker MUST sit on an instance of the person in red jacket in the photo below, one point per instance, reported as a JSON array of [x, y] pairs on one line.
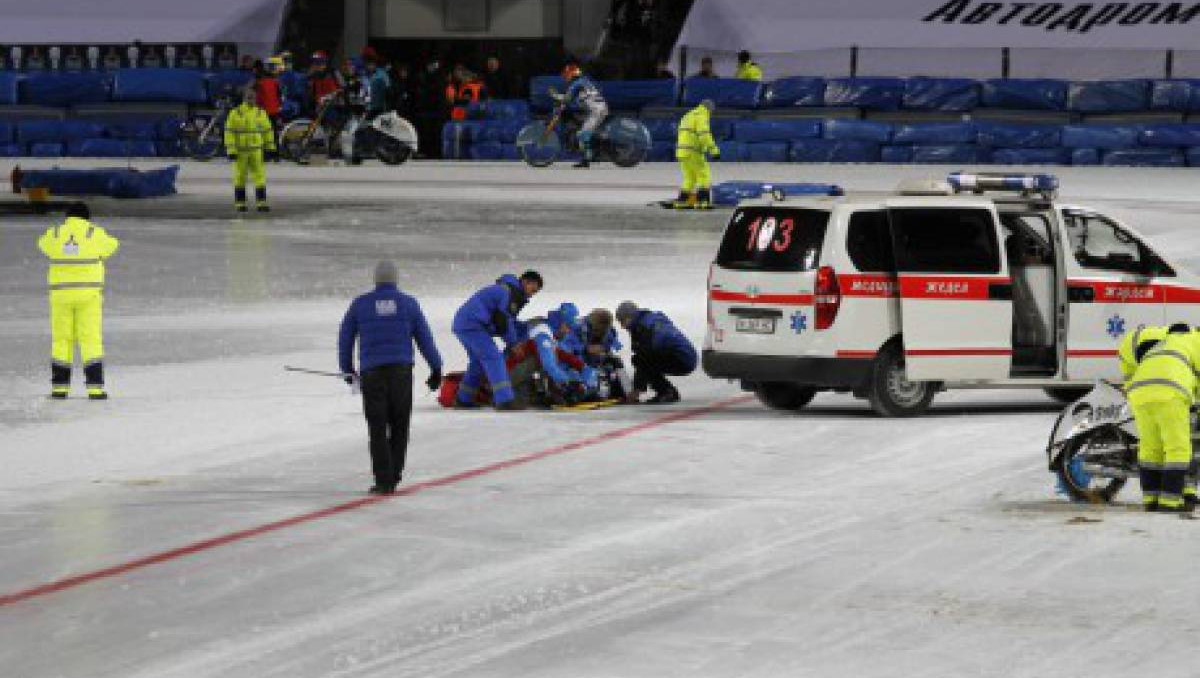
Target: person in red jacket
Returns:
[[266, 86]]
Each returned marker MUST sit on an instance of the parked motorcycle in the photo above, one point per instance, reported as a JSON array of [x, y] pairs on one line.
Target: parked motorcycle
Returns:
[[202, 136], [1093, 447], [623, 141], [387, 136]]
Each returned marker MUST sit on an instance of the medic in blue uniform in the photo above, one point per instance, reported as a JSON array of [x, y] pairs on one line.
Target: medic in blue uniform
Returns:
[[492, 312]]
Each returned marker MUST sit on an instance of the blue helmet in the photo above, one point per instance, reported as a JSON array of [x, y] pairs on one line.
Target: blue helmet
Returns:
[[567, 313]]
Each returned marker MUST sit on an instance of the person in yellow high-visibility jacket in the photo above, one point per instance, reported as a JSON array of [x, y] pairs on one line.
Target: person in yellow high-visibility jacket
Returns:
[[248, 135], [747, 69], [693, 146], [1161, 391], [77, 249], [1136, 344]]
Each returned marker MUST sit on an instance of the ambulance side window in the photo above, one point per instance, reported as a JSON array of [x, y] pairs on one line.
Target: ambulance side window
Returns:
[[1101, 244], [869, 242], [945, 240]]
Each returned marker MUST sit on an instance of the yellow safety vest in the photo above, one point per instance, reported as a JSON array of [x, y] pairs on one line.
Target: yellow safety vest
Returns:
[[77, 249], [1171, 366], [248, 129], [1127, 353], [749, 71], [695, 135]]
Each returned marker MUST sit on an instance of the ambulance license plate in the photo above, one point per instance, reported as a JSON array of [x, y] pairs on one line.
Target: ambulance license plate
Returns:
[[756, 325]]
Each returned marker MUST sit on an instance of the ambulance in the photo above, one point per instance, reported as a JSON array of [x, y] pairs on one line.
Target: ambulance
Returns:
[[978, 281]]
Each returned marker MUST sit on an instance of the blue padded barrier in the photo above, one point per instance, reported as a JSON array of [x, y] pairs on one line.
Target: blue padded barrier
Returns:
[[503, 131], [486, 150], [113, 148], [1085, 156], [160, 84], [167, 129], [878, 94], [800, 91], [935, 133], [751, 131], [1172, 95], [1036, 94], [40, 131], [9, 88], [47, 149], [169, 148], [11, 150], [1031, 156], [662, 129], [1145, 157], [732, 151], [132, 128], [1109, 96], [633, 95], [509, 152], [1100, 136], [833, 150], [1004, 135], [950, 154], [858, 130], [227, 82], [662, 151], [1170, 136], [1193, 156], [499, 109], [74, 130], [116, 183], [722, 127], [725, 92], [539, 91], [767, 151], [7, 132], [941, 94], [456, 137], [64, 89], [896, 154]]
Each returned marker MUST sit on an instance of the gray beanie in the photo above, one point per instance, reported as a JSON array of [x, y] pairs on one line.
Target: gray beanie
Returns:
[[625, 311], [385, 273], [709, 104]]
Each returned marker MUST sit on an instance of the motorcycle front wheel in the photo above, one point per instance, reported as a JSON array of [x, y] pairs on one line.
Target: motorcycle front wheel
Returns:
[[539, 147], [1080, 484], [198, 141], [392, 152], [297, 141]]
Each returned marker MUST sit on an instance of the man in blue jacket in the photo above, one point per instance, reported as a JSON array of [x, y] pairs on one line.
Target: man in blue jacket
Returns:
[[492, 312], [385, 322], [659, 349]]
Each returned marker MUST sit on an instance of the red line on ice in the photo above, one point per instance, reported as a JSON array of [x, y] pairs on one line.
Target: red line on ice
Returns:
[[242, 535]]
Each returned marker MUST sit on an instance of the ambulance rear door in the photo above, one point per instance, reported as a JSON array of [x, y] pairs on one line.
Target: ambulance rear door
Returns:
[[955, 293]]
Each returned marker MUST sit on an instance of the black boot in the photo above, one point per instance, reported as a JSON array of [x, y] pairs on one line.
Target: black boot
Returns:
[[260, 197], [583, 163], [510, 406], [704, 199], [93, 375], [60, 381], [382, 489], [239, 199], [665, 396]]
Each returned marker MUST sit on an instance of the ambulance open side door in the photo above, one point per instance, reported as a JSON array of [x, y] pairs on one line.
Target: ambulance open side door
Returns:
[[956, 304]]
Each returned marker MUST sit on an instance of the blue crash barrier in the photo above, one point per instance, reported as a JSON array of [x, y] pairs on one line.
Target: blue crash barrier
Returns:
[[113, 182], [767, 151], [879, 94], [1030, 156], [47, 149], [64, 89], [11, 150], [725, 92], [499, 109], [788, 92], [6, 132], [9, 88], [503, 131], [132, 128], [1109, 96], [662, 129], [732, 192], [1170, 136], [539, 91], [227, 82], [160, 84], [1100, 136], [1193, 157], [858, 130], [775, 130], [40, 131], [1036, 94], [661, 151], [1175, 95], [113, 148], [1084, 156], [896, 154], [732, 151], [949, 154], [833, 150], [633, 95], [935, 133], [940, 94], [1005, 135], [1144, 157], [486, 150], [722, 127]]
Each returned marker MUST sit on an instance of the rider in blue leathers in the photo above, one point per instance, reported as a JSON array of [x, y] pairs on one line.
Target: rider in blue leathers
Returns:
[[594, 340], [583, 93], [492, 312]]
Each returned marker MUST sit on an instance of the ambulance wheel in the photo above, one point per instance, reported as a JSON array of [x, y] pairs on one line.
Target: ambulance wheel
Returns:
[[1067, 394], [784, 396], [890, 392]]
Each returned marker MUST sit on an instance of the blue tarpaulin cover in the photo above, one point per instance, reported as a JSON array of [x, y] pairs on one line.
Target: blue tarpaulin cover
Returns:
[[1109, 96], [1100, 136], [160, 84], [1005, 135], [725, 92], [1016, 93], [112, 182], [1170, 136], [733, 192], [935, 133], [941, 94], [861, 130], [833, 150], [800, 91], [1145, 157], [633, 95], [880, 94], [775, 130], [64, 89]]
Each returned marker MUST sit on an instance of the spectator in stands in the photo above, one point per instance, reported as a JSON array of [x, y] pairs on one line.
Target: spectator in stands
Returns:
[[402, 90], [322, 81], [747, 69], [662, 71], [496, 82], [247, 63], [379, 87], [431, 107], [112, 59], [464, 89], [266, 90], [706, 68]]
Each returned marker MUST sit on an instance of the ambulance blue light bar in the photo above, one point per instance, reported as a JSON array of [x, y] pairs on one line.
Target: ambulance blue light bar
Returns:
[[1045, 184]]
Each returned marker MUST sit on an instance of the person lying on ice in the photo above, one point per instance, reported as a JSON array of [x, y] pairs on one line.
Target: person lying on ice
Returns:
[[659, 349], [542, 370], [492, 312], [594, 341]]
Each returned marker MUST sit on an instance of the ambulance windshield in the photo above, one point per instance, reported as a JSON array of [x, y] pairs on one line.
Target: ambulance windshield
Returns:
[[773, 239]]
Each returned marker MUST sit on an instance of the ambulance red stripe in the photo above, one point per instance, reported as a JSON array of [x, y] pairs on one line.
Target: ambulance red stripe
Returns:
[[956, 352], [951, 288], [743, 298]]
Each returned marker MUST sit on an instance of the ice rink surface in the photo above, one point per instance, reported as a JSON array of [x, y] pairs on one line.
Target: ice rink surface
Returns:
[[210, 519]]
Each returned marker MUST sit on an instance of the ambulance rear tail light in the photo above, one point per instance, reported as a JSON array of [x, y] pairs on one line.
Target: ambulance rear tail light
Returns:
[[708, 295], [1026, 184], [827, 298]]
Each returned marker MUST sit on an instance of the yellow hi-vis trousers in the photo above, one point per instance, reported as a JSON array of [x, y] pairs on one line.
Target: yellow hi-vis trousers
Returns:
[[250, 164], [696, 172], [1165, 446], [75, 318]]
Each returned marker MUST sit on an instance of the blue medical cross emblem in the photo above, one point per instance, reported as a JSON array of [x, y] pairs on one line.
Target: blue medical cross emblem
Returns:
[[1116, 326], [799, 322]]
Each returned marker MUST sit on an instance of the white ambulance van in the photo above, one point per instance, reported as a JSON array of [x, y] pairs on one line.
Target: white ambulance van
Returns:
[[980, 281]]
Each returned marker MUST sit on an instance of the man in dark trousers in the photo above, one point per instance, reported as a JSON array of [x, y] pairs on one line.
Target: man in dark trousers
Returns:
[[659, 349], [386, 322]]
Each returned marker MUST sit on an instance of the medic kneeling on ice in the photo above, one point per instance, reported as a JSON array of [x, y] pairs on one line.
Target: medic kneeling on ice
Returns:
[[492, 312], [543, 369], [594, 341]]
